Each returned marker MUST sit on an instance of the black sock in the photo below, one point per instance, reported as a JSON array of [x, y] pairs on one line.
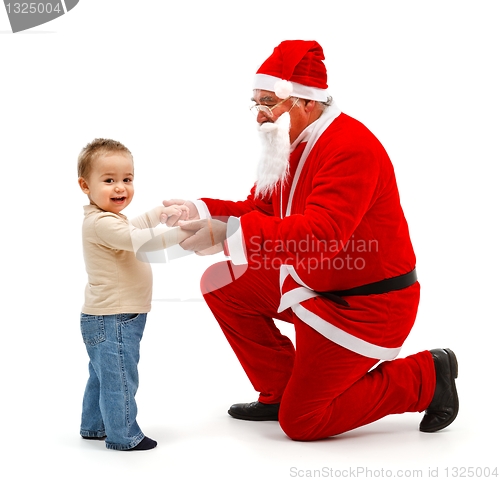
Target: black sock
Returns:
[[96, 438], [144, 445]]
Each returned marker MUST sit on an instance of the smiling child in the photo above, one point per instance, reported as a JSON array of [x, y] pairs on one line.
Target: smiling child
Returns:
[[118, 292]]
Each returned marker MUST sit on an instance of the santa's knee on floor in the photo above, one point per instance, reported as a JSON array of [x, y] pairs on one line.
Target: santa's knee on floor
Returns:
[[304, 426]]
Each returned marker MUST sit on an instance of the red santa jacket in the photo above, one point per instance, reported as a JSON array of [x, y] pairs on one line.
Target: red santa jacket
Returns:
[[344, 228]]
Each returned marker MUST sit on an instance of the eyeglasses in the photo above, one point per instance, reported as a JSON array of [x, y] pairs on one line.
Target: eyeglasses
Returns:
[[268, 111]]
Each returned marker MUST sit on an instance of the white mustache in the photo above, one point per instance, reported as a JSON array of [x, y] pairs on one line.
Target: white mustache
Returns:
[[282, 121]]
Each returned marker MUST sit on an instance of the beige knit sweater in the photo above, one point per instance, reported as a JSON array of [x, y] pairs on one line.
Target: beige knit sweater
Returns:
[[119, 275]]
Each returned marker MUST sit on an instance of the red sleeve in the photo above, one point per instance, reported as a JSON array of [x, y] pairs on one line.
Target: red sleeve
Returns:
[[224, 208]]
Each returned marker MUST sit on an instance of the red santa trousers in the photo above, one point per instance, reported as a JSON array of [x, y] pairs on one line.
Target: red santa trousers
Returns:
[[324, 389]]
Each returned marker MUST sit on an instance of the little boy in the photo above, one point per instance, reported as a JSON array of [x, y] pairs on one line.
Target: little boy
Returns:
[[118, 293]]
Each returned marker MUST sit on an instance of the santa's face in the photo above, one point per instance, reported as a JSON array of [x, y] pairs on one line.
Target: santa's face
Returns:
[[291, 105], [278, 129]]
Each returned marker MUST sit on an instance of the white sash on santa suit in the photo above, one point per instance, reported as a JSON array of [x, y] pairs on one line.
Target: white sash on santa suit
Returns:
[[293, 299], [311, 135]]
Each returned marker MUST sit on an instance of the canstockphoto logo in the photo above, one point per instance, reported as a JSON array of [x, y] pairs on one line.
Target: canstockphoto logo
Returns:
[[26, 15]]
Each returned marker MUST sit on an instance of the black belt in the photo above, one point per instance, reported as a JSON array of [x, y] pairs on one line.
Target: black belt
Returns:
[[379, 287]]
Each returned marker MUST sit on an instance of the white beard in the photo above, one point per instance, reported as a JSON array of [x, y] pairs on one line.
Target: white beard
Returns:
[[274, 161]]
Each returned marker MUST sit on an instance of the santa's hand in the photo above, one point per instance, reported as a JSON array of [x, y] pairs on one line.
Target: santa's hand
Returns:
[[191, 213], [207, 234]]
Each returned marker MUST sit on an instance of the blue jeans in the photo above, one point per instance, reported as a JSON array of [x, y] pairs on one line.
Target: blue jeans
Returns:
[[109, 407]]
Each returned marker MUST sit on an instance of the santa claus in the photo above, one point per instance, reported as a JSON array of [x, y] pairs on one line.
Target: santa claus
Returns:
[[321, 241]]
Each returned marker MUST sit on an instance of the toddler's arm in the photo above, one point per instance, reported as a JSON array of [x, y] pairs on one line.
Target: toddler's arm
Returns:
[[144, 233]]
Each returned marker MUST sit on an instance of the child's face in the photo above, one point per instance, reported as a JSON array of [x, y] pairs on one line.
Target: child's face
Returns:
[[110, 184]]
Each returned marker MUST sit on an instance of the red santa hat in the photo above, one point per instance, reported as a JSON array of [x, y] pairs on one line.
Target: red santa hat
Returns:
[[295, 68]]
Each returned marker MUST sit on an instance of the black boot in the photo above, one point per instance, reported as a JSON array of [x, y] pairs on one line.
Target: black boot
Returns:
[[255, 411], [443, 408]]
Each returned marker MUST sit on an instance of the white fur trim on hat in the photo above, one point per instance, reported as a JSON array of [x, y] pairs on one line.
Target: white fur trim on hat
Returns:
[[269, 82]]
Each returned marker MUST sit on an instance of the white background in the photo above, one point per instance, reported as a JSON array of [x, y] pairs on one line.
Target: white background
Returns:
[[172, 80]]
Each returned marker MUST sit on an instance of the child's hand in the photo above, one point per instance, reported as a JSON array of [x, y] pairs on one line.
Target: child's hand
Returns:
[[193, 211], [171, 214]]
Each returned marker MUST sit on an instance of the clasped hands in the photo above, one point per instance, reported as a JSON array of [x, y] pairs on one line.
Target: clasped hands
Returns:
[[207, 235]]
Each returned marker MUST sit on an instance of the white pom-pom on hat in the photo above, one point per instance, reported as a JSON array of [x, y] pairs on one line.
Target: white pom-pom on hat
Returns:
[[283, 89]]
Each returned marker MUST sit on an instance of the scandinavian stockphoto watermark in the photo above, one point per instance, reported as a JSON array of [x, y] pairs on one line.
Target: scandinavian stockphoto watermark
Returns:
[[26, 15], [311, 254]]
